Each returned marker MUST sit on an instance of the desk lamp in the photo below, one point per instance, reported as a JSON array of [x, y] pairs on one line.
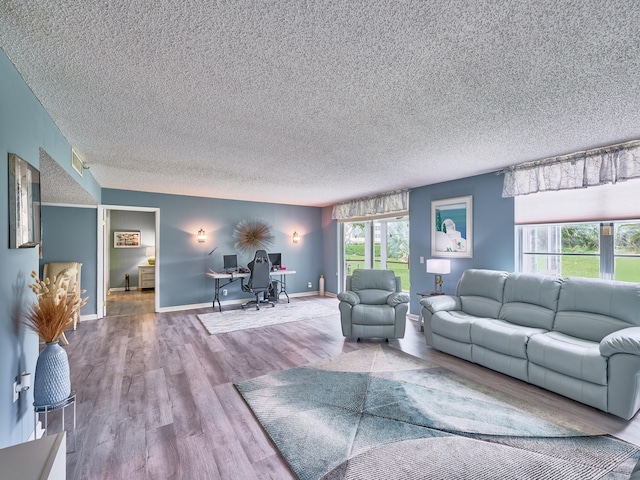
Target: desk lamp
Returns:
[[151, 253], [439, 267]]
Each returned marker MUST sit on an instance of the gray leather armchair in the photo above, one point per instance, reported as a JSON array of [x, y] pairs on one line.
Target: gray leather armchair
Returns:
[[373, 305]]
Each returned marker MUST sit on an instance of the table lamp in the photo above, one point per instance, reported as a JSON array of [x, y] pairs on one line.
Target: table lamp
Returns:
[[151, 253], [439, 267]]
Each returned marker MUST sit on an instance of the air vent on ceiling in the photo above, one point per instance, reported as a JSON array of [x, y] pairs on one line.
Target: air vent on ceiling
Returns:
[[76, 162]]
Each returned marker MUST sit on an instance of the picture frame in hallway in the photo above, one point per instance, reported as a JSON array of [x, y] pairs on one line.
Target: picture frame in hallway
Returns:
[[24, 203], [126, 239], [452, 227]]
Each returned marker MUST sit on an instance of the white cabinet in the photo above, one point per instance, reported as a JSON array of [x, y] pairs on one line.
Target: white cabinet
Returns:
[[39, 460], [146, 276]]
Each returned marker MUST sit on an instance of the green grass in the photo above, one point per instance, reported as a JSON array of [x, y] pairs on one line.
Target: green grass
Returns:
[[626, 268]]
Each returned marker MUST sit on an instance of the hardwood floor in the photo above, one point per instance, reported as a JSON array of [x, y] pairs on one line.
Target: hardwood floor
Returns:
[[156, 396]]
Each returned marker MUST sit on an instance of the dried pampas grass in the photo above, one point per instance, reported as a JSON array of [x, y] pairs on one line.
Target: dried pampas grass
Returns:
[[55, 308]]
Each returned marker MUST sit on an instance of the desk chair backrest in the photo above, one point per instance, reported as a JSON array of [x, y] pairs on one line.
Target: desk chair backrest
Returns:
[[260, 267]]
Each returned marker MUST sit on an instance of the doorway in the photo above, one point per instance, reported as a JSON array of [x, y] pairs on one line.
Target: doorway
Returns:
[[381, 244], [129, 267]]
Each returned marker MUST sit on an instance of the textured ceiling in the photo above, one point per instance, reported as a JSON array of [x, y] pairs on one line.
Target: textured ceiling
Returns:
[[313, 102]]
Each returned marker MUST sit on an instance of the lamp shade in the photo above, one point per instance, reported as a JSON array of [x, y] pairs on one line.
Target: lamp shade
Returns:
[[437, 265]]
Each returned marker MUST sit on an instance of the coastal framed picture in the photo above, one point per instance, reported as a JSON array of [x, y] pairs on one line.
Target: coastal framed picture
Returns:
[[452, 227], [126, 239]]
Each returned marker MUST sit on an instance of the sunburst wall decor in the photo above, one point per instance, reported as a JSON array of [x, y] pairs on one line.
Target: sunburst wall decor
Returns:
[[252, 235]]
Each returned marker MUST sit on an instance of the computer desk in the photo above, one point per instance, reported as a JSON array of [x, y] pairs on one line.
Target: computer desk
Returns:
[[232, 277]]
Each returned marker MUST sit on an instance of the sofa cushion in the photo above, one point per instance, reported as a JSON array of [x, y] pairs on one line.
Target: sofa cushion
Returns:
[[373, 279], [480, 306], [575, 357], [481, 292], [373, 296], [372, 315], [590, 326], [482, 283], [530, 300], [502, 337], [620, 300], [454, 325]]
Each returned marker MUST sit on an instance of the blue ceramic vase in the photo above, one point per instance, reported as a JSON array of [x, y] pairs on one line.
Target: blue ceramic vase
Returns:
[[52, 383]]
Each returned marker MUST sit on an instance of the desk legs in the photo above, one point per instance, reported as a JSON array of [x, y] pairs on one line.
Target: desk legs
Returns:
[[217, 296], [283, 287]]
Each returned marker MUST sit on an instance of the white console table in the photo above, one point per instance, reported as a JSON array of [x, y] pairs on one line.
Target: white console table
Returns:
[[146, 276]]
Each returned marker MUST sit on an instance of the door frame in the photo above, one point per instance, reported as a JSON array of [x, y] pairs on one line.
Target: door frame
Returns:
[[103, 253]]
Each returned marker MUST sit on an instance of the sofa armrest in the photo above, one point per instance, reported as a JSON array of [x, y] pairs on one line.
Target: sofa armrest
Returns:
[[441, 303], [397, 298], [350, 297], [626, 340]]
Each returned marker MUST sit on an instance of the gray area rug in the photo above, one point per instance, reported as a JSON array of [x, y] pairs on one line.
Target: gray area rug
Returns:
[[238, 319], [379, 413]]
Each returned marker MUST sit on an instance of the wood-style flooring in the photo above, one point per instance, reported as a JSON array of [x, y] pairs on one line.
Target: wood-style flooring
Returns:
[[156, 397]]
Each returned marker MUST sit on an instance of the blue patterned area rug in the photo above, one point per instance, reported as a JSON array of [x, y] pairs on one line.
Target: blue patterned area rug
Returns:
[[379, 413]]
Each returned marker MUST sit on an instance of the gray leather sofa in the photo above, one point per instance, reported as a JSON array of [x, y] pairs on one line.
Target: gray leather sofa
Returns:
[[575, 336], [373, 305]]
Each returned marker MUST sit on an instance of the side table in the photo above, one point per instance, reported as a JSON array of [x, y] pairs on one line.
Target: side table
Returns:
[[422, 295], [70, 400]]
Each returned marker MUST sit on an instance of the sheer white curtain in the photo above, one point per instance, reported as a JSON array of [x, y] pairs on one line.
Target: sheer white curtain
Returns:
[[579, 170], [384, 204]]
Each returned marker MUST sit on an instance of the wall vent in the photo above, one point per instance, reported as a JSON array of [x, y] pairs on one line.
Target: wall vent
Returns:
[[76, 162]]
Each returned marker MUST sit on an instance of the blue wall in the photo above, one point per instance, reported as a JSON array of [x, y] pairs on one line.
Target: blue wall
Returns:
[[25, 128], [69, 234], [493, 230], [182, 262]]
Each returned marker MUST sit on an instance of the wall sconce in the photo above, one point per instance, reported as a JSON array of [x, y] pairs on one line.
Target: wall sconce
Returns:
[[296, 237], [201, 236], [439, 267]]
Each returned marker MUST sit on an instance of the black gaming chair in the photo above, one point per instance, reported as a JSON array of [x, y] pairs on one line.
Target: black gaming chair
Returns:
[[260, 279]]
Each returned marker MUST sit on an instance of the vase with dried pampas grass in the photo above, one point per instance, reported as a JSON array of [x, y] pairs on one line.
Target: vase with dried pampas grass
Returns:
[[49, 317]]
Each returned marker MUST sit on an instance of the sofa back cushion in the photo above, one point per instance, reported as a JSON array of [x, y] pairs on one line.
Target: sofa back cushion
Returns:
[[592, 308], [481, 292], [530, 300], [373, 286]]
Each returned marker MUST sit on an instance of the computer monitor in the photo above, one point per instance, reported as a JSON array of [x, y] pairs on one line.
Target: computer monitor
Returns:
[[276, 260], [230, 263]]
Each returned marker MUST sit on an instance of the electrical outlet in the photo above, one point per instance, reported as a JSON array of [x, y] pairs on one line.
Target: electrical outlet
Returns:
[[421, 259], [309, 285], [16, 394], [224, 292]]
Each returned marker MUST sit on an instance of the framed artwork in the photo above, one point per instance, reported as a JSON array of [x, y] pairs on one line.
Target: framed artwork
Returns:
[[452, 227], [24, 204], [126, 240]]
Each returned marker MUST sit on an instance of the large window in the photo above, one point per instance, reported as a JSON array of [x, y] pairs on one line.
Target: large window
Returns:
[[595, 250]]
